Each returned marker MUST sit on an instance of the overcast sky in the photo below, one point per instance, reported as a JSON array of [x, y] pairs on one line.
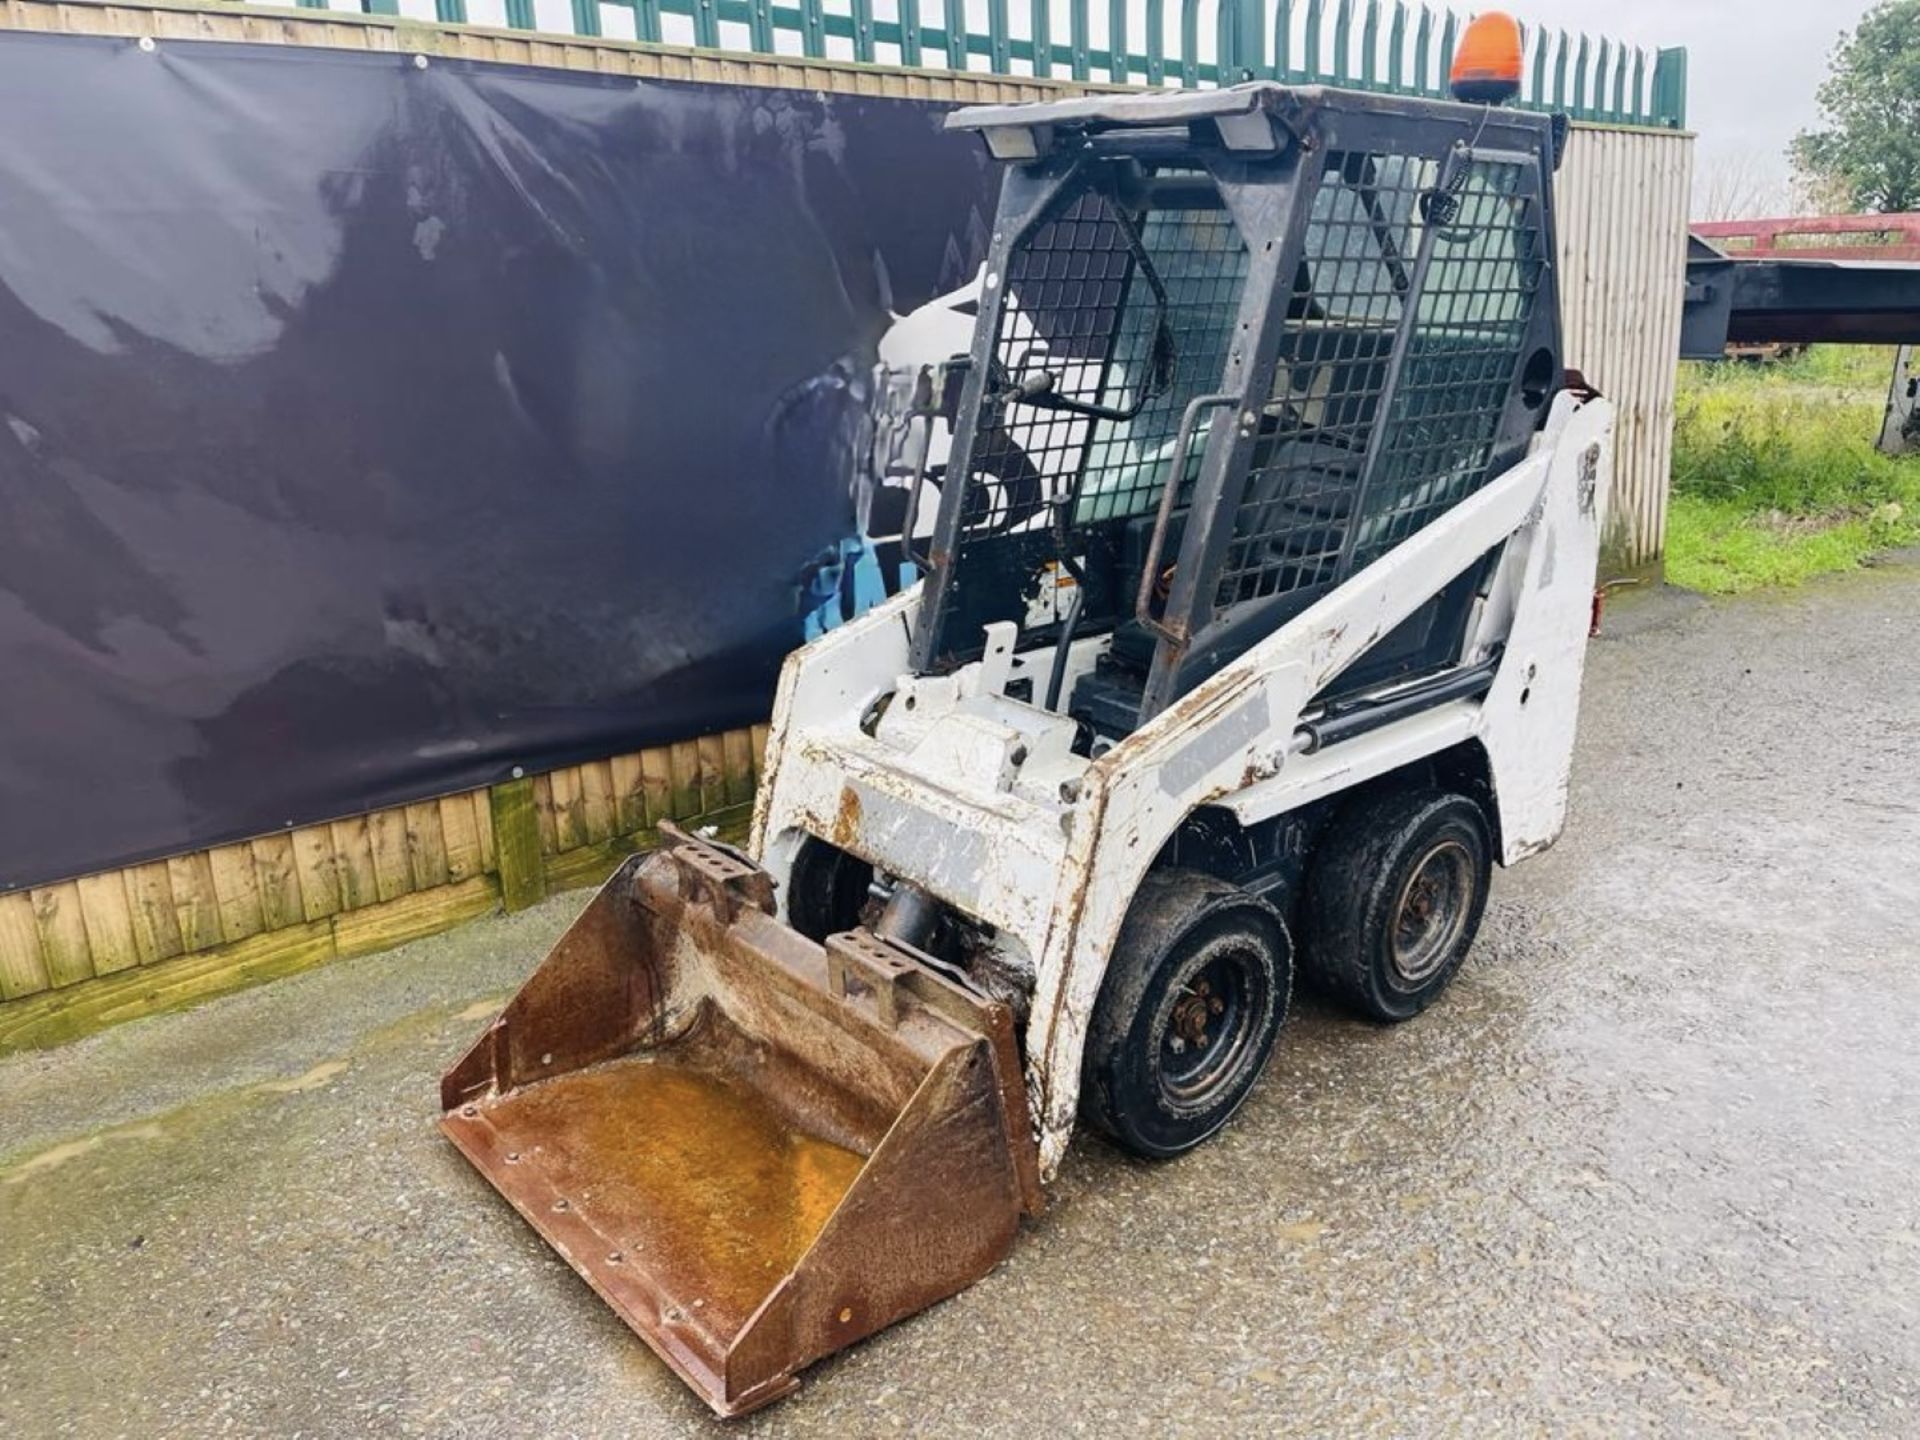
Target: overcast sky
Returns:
[[1752, 65]]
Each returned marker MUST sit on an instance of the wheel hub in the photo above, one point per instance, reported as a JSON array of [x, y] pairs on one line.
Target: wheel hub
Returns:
[[1193, 1012], [1432, 911], [1208, 1026]]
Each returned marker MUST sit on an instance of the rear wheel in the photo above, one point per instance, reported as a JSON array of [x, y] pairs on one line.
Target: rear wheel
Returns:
[[1193, 998], [1394, 900]]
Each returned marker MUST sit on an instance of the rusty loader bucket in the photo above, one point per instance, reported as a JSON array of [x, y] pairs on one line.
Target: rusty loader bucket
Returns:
[[757, 1149]]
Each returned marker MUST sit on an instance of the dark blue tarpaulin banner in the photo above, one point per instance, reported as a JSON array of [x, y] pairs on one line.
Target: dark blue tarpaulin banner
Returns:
[[371, 429]]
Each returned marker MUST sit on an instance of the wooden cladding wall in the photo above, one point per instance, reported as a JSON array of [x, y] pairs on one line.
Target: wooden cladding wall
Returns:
[[82, 954], [1621, 201]]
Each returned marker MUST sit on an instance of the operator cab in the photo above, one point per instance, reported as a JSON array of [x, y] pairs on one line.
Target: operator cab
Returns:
[[1243, 343]]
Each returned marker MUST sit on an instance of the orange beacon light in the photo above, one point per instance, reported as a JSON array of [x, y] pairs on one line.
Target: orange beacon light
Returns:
[[1486, 65]]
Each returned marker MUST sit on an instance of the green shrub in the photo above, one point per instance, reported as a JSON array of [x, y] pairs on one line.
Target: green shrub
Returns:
[[1775, 475]]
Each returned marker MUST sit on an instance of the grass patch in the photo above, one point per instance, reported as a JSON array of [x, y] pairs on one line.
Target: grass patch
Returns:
[[1775, 475]]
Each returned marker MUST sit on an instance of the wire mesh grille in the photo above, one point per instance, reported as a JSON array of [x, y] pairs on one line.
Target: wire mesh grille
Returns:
[[1076, 309], [1349, 295], [1202, 263], [1469, 326], [1302, 523], [1065, 292], [1358, 447]]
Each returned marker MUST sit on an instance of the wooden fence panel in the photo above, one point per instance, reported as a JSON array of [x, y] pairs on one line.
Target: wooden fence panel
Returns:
[[392, 860], [460, 828], [353, 862], [274, 867], [156, 919], [23, 969], [318, 869], [63, 934], [109, 923], [190, 877], [426, 846]]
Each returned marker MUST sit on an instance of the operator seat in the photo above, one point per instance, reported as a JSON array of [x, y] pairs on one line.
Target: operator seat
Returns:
[[1289, 530]]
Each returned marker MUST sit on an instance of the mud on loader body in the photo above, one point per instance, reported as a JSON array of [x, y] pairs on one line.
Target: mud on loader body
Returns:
[[1250, 637]]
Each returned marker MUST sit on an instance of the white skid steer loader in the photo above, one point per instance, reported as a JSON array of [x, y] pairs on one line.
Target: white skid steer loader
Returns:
[[1250, 637]]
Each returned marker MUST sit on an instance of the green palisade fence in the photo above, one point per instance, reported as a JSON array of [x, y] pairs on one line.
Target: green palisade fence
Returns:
[[1387, 46]]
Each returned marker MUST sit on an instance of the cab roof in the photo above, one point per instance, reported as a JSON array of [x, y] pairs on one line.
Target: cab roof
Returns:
[[1259, 116]]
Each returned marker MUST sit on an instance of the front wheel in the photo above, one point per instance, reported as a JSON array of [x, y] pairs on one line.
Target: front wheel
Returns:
[[1394, 900], [827, 889], [1193, 998]]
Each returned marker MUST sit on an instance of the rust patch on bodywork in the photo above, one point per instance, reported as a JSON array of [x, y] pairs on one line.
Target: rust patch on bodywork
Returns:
[[846, 819], [1260, 768]]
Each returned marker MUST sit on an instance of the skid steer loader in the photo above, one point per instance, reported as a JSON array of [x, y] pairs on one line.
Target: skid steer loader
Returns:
[[1249, 637]]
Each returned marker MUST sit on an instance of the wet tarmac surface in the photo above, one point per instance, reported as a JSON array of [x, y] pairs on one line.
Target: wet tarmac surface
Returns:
[[1652, 1167]]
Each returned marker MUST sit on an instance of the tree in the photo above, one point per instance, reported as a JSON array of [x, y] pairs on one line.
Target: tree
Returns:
[[1739, 185], [1868, 153]]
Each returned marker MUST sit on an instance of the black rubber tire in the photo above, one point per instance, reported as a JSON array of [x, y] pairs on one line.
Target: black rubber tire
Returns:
[[826, 890], [1185, 930], [1362, 939]]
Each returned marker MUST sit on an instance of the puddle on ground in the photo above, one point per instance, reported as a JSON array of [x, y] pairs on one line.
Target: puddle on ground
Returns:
[[58, 1155], [318, 1076], [217, 1104]]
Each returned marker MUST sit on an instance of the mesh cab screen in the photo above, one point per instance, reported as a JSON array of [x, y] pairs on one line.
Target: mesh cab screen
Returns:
[[1077, 309], [1303, 522], [1402, 330], [1355, 274], [1469, 328], [1202, 263]]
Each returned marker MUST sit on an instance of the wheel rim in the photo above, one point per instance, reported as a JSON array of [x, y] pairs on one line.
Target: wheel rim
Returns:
[[1210, 1025], [1431, 912]]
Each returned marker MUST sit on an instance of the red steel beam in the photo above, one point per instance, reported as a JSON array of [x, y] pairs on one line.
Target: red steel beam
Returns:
[[1817, 237]]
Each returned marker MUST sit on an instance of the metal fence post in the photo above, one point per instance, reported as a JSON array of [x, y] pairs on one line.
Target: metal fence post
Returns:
[[1670, 89]]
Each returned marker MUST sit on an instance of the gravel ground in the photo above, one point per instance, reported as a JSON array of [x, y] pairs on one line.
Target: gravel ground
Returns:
[[1650, 1168]]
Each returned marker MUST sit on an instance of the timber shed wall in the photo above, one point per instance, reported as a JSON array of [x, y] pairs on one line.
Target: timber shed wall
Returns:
[[1622, 210]]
